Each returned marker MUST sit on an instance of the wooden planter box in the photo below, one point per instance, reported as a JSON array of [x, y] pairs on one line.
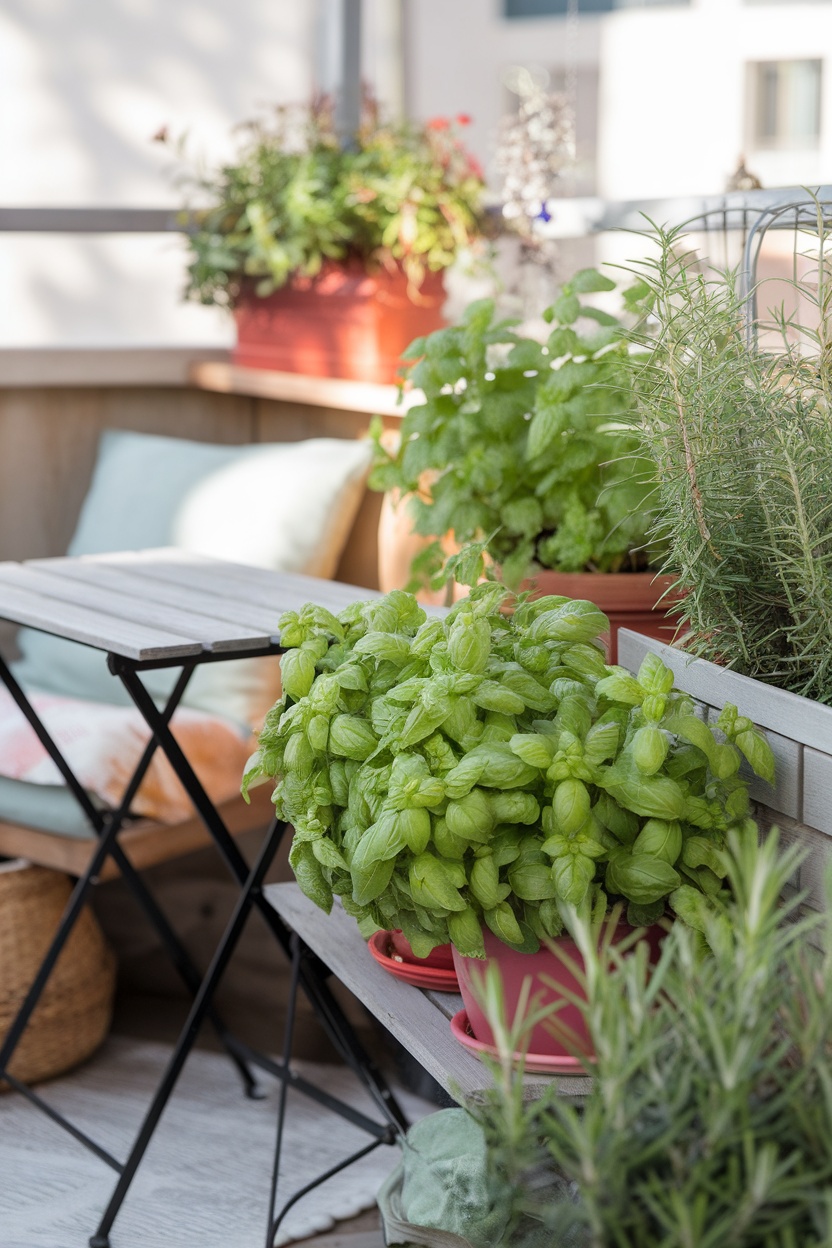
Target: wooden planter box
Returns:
[[799, 732]]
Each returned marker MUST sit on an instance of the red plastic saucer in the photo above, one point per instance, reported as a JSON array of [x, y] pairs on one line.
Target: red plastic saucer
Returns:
[[533, 1063], [435, 977]]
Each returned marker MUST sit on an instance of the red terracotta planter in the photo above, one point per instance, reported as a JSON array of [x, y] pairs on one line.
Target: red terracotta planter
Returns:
[[343, 323], [628, 599], [441, 957], [548, 976]]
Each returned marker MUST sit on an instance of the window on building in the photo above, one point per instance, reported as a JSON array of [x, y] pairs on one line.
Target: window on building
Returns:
[[558, 8], [785, 104]]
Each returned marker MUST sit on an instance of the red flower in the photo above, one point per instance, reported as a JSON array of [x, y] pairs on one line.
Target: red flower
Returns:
[[463, 119], [438, 123]]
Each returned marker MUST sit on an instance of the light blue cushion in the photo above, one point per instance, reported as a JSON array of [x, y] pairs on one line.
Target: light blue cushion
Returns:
[[50, 807], [288, 506]]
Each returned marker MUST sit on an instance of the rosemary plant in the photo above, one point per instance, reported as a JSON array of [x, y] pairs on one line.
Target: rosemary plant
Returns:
[[709, 1120], [742, 439]]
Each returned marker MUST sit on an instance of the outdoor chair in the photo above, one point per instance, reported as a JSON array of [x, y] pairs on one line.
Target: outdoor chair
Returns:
[[287, 507]]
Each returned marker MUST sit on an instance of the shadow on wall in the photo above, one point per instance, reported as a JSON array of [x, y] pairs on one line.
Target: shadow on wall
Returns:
[[86, 86]]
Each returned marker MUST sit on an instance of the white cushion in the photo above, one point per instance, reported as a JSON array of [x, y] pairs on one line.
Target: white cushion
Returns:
[[287, 506]]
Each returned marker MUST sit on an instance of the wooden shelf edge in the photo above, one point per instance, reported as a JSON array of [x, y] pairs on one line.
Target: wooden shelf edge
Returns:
[[342, 395], [101, 367]]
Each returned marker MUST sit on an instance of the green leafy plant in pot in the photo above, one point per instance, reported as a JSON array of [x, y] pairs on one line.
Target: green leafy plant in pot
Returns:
[[473, 772], [330, 249], [528, 447], [707, 1121], [741, 437]]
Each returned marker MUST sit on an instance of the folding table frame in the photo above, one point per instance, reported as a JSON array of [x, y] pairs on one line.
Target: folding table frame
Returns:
[[308, 972]]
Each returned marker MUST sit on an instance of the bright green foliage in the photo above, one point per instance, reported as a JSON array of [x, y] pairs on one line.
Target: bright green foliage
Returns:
[[708, 1123], [295, 196], [523, 442], [484, 768], [742, 441]]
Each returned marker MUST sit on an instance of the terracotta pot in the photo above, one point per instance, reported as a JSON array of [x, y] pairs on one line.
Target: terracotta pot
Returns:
[[629, 599], [398, 546], [541, 967], [343, 323], [442, 957]]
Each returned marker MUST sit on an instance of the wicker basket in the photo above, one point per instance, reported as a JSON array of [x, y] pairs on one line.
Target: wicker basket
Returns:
[[74, 1012]]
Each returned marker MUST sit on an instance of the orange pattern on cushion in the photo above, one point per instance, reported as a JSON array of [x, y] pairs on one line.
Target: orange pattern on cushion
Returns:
[[103, 744]]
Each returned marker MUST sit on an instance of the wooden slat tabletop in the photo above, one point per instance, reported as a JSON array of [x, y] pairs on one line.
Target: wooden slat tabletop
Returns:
[[134, 602], [419, 1020], [158, 604], [278, 591], [173, 593], [87, 624]]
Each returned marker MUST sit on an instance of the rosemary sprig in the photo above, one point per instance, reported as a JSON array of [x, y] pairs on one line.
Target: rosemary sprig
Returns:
[[742, 438]]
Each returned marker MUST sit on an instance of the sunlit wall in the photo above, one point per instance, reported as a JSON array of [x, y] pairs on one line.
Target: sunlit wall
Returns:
[[668, 96]]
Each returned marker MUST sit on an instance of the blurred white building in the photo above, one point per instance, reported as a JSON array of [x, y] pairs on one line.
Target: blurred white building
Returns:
[[668, 95]]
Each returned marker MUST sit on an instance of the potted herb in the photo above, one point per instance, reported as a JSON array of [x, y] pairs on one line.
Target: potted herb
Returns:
[[736, 418], [741, 439], [527, 447], [474, 773], [708, 1119], [331, 253]]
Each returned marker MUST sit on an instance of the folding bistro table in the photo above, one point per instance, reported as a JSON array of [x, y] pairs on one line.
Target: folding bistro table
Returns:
[[171, 609]]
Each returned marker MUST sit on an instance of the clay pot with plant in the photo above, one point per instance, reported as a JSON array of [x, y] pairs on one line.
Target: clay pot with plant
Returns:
[[479, 771], [527, 448], [330, 249]]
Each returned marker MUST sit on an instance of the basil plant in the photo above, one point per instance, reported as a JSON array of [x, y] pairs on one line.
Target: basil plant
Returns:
[[487, 766]]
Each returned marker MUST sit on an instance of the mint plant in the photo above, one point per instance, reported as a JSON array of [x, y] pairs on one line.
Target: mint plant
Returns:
[[488, 767], [525, 444]]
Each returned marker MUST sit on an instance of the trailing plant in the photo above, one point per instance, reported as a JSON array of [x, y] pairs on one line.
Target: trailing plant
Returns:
[[708, 1122], [296, 195], [487, 767], [522, 444], [741, 437]]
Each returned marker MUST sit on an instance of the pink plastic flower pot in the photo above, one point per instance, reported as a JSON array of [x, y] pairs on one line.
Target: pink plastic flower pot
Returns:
[[441, 957], [541, 967]]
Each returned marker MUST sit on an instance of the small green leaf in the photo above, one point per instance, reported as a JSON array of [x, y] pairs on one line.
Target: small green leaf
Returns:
[[573, 874], [590, 281]]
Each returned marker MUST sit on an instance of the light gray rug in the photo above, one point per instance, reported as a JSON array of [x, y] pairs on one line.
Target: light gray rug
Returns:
[[204, 1181]]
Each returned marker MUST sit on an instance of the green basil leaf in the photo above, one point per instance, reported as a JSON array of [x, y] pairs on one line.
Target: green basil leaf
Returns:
[[643, 878], [370, 882], [533, 882], [471, 817], [465, 931], [758, 752], [572, 875], [383, 840], [661, 838], [328, 855], [351, 737], [571, 804], [698, 851], [503, 923], [309, 875], [432, 886], [484, 882]]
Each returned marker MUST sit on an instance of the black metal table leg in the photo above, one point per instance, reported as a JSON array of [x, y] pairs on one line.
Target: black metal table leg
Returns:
[[189, 1032], [106, 827], [383, 1135], [309, 973], [313, 974]]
